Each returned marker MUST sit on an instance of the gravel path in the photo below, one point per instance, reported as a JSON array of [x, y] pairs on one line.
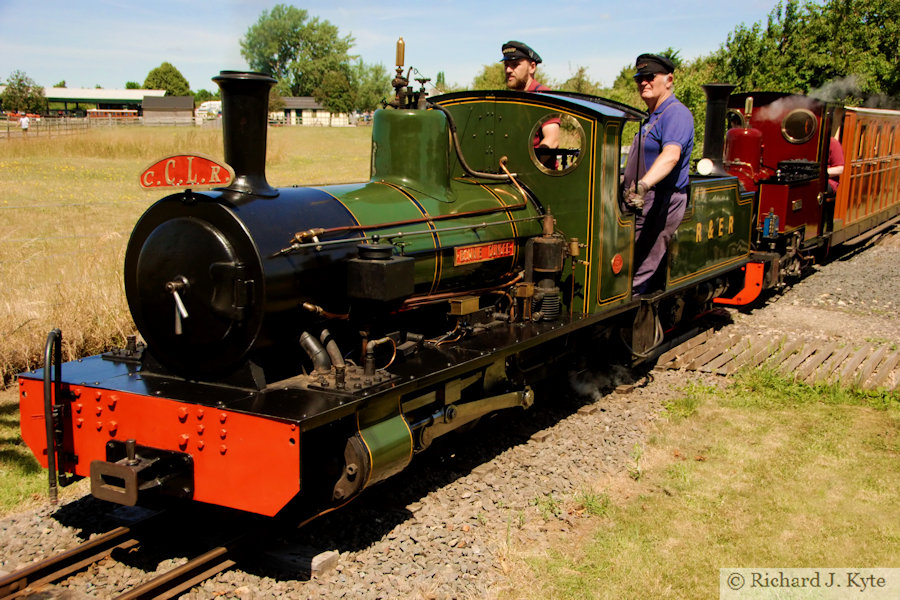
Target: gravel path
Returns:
[[452, 524]]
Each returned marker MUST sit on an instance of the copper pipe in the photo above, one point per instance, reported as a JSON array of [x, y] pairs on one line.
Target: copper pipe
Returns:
[[412, 302], [369, 368], [319, 311], [512, 178]]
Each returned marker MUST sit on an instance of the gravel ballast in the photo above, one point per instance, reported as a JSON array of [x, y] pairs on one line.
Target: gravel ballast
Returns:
[[448, 525]]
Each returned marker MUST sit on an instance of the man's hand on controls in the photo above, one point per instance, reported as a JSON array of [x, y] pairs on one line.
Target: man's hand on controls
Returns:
[[634, 198]]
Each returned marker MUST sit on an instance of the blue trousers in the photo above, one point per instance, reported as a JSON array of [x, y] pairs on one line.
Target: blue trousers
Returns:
[[655, 226]]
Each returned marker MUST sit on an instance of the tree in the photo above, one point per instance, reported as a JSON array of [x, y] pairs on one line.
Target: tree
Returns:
[[286, 44], [167, 77], [201, 96], [579, 82], [276, 100], [132, 85], [850, 46], [371, 83], [22, 94], [61, 84], [440, 83], [492, 77], [334, 93]]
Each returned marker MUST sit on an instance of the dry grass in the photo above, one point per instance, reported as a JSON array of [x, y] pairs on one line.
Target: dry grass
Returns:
[[68, 208]]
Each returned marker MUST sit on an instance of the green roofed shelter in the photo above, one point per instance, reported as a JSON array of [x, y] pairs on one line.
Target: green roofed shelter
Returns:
[[102, 98]]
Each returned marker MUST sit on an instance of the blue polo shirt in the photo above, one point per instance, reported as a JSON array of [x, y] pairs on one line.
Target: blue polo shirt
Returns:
[[670, 123]]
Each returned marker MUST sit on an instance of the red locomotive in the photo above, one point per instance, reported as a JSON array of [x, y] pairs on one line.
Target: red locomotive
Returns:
[[779, 145]]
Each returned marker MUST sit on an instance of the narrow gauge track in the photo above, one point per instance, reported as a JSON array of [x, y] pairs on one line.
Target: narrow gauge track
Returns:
[[864, 362], [33, 579]]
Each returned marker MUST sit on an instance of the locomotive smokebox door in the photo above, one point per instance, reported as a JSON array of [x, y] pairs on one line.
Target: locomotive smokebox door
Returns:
[[379, 275]]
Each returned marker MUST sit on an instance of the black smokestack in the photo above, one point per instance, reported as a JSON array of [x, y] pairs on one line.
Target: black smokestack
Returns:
[[714, 132], [245, 121]]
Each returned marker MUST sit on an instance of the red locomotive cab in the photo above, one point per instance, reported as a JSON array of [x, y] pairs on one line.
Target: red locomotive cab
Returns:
[[743, 155]]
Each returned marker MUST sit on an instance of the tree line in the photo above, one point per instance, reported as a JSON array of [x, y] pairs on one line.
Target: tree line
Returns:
[[840, 50]]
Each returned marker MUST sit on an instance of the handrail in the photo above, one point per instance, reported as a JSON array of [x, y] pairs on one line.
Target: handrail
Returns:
[[54, 340]]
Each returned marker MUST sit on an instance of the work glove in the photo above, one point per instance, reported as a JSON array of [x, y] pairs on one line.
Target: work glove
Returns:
[[634, 199]]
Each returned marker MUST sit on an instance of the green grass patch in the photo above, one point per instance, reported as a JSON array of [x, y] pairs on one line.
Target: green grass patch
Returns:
[[593, 503], [766, 472], [23, 482]]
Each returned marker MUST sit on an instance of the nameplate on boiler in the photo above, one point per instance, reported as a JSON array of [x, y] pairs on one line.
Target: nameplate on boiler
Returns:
[[465, 255], [186, 171]]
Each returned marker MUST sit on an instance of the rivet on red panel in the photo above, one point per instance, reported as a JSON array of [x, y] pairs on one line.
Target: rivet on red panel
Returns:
[[182, 414]]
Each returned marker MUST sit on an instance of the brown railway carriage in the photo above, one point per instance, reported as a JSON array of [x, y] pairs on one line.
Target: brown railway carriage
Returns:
[[869, 193]]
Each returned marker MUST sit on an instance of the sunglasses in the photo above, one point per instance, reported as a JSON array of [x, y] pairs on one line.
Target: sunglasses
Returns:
[[643, 77]]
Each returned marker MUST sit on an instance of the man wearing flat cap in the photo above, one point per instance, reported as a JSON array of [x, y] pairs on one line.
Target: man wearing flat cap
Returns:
[[656, 173], [520, 62]]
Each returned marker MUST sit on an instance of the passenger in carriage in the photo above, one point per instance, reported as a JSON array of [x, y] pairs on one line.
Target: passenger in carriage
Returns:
[[835, 163], [656, 172], [520, 63]]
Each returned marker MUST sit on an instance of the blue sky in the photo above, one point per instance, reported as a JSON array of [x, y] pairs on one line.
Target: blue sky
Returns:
[[109, 42]]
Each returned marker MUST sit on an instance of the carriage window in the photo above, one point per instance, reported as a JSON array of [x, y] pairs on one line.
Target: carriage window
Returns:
[[567, 155], [877, 145], [861, 142], [799, 126]]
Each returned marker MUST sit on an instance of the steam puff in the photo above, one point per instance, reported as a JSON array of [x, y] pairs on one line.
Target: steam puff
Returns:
[[596, 384], [850, 87]]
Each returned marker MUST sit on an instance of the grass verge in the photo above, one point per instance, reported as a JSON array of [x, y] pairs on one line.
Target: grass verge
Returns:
[[764, 473]]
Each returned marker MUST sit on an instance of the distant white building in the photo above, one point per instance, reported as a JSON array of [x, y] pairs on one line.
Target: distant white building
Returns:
[[211, 109], [304, 110]]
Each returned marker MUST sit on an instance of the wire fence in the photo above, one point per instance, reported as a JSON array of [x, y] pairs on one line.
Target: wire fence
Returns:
[[57, 126]]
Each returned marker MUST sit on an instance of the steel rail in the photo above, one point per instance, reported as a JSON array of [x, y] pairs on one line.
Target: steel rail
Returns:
[[186, 576], [55, 568]]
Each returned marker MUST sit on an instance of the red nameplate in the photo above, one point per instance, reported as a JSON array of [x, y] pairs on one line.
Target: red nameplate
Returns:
[[483, 252], [186, 171]]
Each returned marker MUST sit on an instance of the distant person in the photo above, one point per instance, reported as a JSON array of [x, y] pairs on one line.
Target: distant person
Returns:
[[520, 63], [24, 122], [835, 163], [656, 174]]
